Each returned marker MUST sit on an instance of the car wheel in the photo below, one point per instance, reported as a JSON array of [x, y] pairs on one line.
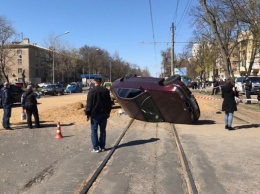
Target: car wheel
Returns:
[[171, 80]]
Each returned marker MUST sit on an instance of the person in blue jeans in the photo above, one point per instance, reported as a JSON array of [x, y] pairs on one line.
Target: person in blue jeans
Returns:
[[98, 111], [229, 104], [7, 101]]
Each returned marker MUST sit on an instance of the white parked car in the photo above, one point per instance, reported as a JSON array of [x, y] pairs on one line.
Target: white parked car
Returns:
[[42, 85], [239, 83]]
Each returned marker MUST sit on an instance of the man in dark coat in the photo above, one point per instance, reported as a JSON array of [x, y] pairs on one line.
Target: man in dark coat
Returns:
[[215, 88], [7, 101], [248, 87], [98, 111], [29, 103], [229, 103]]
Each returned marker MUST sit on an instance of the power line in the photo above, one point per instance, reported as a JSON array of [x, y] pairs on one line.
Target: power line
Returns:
[[167, 42], [184, 13], [176, 10], [151, 14]]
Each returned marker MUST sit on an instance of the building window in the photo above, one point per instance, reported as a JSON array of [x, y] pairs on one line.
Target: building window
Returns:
[[36, 72], [19, 52], [20, 62], [47, 57], [20, 70], [20, 80]]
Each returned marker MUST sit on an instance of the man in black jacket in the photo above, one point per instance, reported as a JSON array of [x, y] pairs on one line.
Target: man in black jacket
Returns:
[[248, 87], [215, 88], [7, 101], [29, 103], [98, 111]]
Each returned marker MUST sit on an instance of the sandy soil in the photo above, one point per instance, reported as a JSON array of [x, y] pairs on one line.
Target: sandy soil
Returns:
[[66, 109]]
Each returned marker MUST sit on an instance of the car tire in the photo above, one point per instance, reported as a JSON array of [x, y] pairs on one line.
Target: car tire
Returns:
[[171, 80]]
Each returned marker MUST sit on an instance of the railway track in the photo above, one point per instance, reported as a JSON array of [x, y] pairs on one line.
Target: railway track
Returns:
[[188, 181], [183, 161]]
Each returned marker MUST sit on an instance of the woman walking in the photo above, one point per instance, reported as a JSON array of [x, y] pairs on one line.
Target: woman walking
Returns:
[[229, 103]]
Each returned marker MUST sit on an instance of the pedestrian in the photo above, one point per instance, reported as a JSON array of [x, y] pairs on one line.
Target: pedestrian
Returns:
[[203, 86], [215, 88], [98, 111], [29, 103], [229, 104], [7, 101], [248, 87]]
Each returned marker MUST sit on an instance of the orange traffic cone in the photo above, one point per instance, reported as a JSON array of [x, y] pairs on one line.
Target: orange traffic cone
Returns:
[[58, 133]]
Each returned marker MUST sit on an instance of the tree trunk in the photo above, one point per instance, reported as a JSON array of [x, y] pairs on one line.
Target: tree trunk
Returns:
[[222, 48]]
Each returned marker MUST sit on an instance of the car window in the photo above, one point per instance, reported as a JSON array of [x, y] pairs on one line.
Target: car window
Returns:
[[148, 109], [240, 79], [49, 86], [255, 79], [107, 85], [128, 92]]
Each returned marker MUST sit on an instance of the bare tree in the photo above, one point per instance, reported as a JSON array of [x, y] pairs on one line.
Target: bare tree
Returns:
[[247, 15], [224, 29], [223, 22], [7, 35]]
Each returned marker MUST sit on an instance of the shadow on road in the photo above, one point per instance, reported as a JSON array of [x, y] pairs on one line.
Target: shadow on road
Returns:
[[136, 142], [247, 126], [205, 122]]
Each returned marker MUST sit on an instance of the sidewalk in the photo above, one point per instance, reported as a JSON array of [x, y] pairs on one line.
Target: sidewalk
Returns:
[[223, 161]]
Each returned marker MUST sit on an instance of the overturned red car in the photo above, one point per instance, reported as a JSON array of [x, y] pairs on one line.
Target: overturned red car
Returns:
[[156, 99]]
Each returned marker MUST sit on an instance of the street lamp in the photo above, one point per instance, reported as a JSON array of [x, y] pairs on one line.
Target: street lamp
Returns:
[[89, 64], [53, 77]]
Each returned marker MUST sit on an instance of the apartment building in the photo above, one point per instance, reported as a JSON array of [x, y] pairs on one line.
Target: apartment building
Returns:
[[240, 58], [246, 46], [218, 70], [29, 59]]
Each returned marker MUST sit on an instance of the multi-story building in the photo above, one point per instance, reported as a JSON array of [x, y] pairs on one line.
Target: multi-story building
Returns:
[[246, 47], [240, 58], [219, 72], [30, 60]]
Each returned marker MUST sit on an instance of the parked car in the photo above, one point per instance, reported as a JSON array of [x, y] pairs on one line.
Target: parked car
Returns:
[[156, 99], [42, 85], [239, 83], [19, 84], [107, 85], [53, 89], [73, 88], [16, 93], [192, 85]]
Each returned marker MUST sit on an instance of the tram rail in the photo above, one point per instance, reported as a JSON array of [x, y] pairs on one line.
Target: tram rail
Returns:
[[184, 164]]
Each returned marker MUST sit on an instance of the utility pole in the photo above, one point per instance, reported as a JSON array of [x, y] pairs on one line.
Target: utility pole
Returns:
[[172, 53]]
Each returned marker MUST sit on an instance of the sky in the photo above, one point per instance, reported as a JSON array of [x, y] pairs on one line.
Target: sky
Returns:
[[136, 30]]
